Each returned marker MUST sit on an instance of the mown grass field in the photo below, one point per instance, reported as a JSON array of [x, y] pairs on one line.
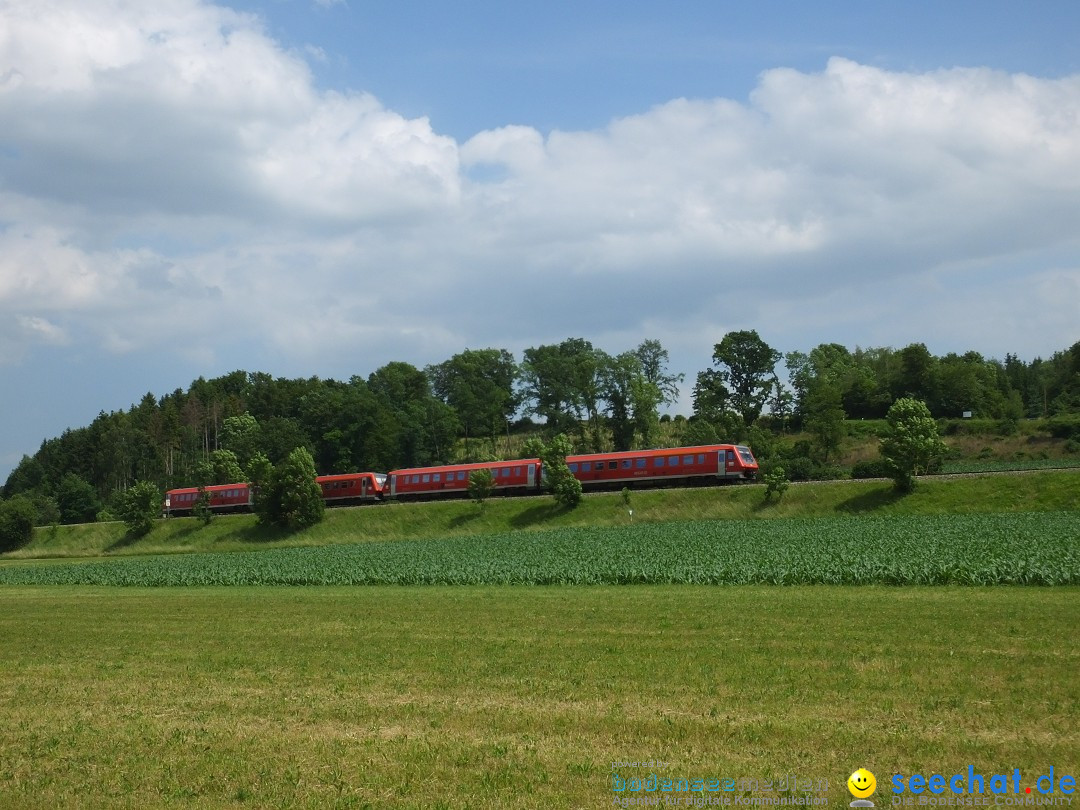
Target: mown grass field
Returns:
[[519, 697], [1029, 492]]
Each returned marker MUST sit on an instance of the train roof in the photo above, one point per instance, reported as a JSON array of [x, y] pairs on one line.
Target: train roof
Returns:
[[484, 465]]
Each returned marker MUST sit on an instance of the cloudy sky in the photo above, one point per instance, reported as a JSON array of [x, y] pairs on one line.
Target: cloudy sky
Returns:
[[318, 187]]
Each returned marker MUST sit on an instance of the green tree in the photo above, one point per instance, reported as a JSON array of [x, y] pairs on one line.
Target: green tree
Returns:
[[825, 417], [746, 364], [912, 443], [479, 384], [562, 484], [221, 467], [654, 360], [240, 435], [139, 506], [562, 384], [293, 498], [17, 516], [77, 500], [481, 485]]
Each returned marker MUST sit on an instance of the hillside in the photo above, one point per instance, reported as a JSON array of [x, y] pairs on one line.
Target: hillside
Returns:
[[1033, 491]]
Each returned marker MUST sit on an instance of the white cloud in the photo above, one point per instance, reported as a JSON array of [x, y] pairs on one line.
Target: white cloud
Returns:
[[171, 179]]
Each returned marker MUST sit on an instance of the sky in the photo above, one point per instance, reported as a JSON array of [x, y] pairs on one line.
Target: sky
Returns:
[[320, 187]]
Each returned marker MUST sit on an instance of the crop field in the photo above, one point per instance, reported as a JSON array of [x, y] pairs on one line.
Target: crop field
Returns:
[[1038, 548], [530, 697]]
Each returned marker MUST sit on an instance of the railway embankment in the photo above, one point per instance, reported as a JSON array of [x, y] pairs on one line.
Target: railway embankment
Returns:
[[1030, 492]]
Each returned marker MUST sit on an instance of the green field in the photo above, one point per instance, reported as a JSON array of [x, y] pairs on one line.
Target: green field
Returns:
[[1035, 548], [522, 684], [520, 697]]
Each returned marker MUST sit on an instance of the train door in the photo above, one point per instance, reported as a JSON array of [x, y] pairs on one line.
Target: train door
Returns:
[[531, 475], [729, 462]]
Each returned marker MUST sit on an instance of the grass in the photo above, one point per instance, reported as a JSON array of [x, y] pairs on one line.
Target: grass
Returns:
[[521, 697], [1031, 492]]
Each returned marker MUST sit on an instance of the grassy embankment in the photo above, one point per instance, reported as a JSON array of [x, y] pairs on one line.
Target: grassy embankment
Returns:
[[1037, 491], [520, 697]]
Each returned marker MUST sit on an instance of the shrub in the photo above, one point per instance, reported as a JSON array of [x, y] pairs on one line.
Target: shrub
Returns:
[[17, 516], [872, 468], [799, 468], [481, 485], [776, 483], [140, 506], [1064, 427]]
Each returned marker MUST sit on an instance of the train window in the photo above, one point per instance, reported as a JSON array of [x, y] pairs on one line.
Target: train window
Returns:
[[613, 465], [573, 467], [517, 470], [701, 458], [426, 478], [673, 461], [640, 463], [586, 466], [461, 475], [659, 462], [687, 459], [627, 463], [416, 479], [436, 477]]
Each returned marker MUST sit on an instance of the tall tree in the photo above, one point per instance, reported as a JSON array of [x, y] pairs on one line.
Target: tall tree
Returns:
[[746, 368], [654, 361], [561, 383], [480, 385]]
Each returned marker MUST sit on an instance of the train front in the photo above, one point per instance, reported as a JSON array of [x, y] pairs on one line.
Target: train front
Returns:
[[745, 462]]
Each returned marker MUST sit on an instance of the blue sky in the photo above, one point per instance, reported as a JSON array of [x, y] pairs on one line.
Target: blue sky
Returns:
[[189, 188]]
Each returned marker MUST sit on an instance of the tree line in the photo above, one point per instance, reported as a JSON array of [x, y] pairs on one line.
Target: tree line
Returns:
[[469, 407]]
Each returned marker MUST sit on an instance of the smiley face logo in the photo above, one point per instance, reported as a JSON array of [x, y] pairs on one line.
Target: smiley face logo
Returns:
[[861, 783]]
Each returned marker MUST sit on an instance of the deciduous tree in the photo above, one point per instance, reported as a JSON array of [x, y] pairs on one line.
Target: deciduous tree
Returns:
[[912, 442]]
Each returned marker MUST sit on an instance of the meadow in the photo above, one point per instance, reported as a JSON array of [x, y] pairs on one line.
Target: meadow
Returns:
[[520, 697], [493, 656]]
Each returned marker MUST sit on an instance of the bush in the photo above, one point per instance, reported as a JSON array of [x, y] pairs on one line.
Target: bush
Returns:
[[293, 499], [873, 468], [776, 483], [481, 485], [799, 468], [17, 516], [140, 506], [1064, 427]]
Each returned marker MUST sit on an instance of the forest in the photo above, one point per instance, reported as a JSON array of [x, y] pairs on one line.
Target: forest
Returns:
[[479, 405]]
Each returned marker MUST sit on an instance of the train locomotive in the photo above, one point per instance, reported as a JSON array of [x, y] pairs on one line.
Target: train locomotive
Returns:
[[695, 466]]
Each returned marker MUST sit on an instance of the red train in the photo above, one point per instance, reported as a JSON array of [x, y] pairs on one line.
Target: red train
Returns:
[[520, 477], [337, 489], [705, 464]]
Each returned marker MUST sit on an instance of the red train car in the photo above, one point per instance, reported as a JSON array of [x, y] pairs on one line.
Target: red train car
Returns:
[[520, 476], [223, 498], [703, 464], [351, 487]]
